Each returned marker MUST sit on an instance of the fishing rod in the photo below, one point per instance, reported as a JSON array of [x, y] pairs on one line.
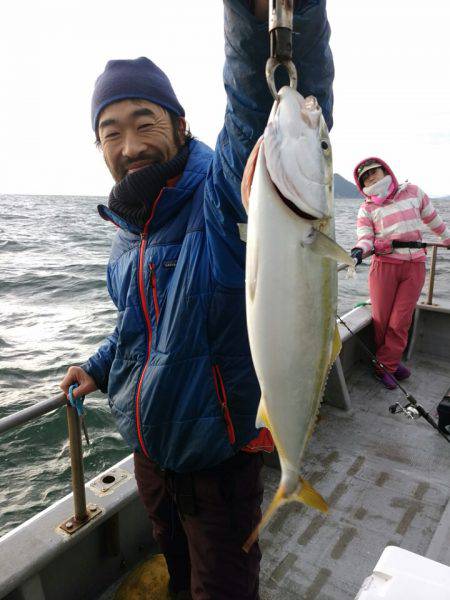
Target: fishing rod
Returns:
[[412, 409], [400, 244]]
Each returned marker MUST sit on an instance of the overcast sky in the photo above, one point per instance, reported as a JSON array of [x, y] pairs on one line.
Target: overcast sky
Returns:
[[392, 88]]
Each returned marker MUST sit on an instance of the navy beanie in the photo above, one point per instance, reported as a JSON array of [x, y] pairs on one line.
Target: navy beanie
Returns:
[[138, 78]]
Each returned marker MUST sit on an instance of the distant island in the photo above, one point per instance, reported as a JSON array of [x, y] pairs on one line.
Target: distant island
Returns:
[[344, 188]]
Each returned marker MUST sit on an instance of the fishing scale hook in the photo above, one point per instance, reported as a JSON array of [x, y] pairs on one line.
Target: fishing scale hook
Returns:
[[281, 18]]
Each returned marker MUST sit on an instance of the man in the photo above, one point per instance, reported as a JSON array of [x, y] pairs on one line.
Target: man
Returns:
[[177, 368]]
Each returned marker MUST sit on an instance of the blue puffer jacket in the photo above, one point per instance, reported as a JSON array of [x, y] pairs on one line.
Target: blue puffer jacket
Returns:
[[177, 368]]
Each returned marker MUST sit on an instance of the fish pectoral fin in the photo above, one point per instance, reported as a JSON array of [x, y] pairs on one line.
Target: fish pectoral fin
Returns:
[[306, 494], [242, 231], [262, 418], [277, 501], [327, 248]]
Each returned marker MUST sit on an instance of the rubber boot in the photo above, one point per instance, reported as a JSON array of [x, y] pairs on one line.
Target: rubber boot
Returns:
[[387, 380], [402, 372]]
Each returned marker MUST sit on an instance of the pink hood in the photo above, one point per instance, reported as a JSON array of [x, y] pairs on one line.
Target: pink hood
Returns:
[[388, 170]]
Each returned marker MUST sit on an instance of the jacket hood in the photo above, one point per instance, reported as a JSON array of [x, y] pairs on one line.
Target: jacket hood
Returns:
[[386, 167]]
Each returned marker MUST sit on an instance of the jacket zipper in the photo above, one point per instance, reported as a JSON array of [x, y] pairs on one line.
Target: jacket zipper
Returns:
[[149, 331], [222, 396]]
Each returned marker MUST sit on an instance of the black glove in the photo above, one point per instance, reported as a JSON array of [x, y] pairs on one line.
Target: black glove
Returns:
[[357, 253]]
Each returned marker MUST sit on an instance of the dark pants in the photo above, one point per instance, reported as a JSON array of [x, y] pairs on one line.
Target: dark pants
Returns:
[[201, 521]]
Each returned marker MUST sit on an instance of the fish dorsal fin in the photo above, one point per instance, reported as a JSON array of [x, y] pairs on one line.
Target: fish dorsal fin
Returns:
[[326, 247]]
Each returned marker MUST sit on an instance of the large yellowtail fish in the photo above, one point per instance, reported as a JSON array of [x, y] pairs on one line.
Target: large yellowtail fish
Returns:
[[291, 281]]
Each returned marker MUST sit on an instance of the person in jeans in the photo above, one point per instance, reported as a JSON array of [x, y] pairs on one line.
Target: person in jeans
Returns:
[[389, 224], [177, 368]]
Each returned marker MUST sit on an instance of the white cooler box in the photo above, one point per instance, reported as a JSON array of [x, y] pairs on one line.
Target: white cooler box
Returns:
[[403, 575]]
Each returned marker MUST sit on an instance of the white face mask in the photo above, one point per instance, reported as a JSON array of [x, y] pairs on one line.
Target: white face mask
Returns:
[[380, 188]]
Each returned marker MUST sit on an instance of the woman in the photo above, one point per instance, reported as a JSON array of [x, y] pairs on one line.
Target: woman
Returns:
[[397, 274]]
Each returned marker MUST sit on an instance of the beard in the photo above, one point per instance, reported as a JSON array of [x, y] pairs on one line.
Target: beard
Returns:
[[133, 196], [152, 158]]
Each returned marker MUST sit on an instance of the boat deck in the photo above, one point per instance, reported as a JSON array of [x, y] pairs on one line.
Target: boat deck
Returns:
[[386, 480]]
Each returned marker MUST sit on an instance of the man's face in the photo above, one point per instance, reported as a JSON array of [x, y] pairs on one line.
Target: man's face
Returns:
[[136, 133]]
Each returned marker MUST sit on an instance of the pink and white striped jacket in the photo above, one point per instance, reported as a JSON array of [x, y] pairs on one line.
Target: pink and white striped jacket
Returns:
[[400, 217]]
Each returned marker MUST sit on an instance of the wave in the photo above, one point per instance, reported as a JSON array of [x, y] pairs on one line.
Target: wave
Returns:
[[55, 311]]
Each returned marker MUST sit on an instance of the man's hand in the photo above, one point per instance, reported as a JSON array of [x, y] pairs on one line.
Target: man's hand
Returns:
[[357, 254], [86, 384]]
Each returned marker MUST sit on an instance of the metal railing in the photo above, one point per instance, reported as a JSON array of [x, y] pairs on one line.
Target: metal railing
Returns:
[[432, 275], [81, 513]]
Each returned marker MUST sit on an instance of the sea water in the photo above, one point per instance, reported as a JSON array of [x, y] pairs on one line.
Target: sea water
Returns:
[[55, 311]]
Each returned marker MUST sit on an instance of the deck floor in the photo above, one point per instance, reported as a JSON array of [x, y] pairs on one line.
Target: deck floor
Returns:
[[385, 478]]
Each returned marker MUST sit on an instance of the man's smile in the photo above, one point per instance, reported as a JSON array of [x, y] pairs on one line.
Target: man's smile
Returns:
[[136, 166]]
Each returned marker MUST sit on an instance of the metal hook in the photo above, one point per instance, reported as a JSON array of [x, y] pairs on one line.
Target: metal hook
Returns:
[[281, 19], [271, 66]]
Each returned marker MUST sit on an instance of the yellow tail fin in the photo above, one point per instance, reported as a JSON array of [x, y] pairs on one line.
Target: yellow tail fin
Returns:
[[308, 495], [305, 494]]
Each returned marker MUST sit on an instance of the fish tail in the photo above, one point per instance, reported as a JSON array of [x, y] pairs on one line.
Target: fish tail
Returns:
[[305, 493], [277, 501]]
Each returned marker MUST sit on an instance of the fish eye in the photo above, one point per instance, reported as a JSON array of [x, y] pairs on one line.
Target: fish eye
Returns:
[[324, 145]]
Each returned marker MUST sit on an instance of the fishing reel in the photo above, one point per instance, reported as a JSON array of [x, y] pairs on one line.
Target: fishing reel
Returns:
[[409, 410], [414, 411]]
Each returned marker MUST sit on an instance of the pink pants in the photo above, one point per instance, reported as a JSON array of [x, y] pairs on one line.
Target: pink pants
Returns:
[[394, 292]]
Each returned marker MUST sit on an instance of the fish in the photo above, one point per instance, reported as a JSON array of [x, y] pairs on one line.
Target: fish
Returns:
[[291, 282]]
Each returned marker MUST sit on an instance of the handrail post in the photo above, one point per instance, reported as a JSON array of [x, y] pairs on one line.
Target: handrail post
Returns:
[[76, 459], [432, 273]]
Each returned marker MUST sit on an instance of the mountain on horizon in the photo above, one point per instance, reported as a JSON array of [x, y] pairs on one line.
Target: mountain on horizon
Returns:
[[344, 188]]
